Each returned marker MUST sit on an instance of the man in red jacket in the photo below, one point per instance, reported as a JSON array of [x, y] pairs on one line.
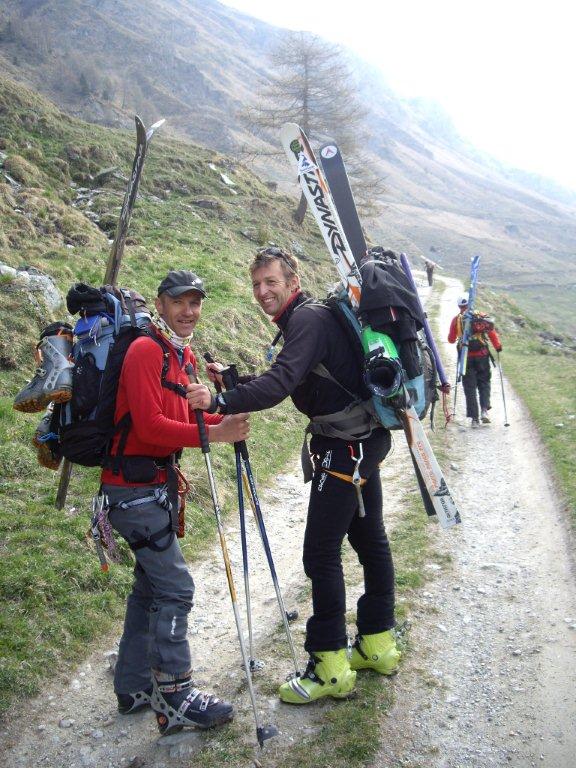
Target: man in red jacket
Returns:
[[478, 373], [141, 486]]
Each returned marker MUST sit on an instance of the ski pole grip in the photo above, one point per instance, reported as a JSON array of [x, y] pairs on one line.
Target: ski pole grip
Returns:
[[230, 377], [204, 443], [209, 359]]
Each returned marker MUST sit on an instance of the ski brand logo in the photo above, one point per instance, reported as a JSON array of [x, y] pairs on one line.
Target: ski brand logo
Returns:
[[327, 460], [332, 233], [323, 478], [329, 151], [305, 165]]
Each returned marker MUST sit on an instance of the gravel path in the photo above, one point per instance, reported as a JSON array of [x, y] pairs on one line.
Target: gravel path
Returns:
[[491, 677]]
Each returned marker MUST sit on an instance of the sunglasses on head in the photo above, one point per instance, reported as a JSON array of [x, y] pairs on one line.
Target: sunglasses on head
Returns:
[[278, 253]]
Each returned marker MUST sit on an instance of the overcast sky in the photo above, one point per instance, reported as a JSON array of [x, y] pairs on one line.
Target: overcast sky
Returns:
[[504, 70]]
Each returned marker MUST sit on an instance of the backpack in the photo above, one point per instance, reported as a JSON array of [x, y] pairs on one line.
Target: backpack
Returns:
[[110, 320], [389, 346], [480, 325]]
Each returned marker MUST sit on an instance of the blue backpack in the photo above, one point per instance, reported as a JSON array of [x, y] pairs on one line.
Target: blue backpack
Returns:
[[110, 320]]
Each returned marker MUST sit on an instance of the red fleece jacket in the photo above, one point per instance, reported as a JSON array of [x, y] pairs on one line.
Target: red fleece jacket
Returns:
[[162, 422]]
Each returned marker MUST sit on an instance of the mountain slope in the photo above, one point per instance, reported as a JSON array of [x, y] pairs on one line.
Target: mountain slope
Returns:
[[197, 62]]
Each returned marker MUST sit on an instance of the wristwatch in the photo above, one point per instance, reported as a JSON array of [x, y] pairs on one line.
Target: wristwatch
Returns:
[[221, 406]]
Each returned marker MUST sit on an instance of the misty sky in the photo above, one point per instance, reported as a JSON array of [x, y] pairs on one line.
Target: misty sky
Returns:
[[503, 70]]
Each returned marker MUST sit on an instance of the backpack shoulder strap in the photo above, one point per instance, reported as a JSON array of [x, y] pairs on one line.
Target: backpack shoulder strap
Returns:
[[179, 389]]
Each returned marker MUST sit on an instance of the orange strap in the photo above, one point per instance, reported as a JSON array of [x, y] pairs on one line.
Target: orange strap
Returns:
[[341, 476]]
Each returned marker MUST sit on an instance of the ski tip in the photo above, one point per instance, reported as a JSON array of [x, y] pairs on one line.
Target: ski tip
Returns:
[[328, 150], [290, 128], [154, 127]]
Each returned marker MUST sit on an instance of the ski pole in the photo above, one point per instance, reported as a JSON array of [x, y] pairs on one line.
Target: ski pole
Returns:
[[455, 397], [254, 664], [230, 379], [506, 423], [255, 503], [252, 660], [263, 732]]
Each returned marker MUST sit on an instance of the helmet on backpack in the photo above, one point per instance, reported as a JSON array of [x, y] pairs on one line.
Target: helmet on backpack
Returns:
[[463, 300]]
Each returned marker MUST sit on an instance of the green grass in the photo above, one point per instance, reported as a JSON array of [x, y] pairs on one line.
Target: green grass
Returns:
[[544, 376]]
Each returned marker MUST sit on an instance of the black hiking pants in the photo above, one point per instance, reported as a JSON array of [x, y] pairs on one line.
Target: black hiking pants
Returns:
[[332, 515], [477, 379]]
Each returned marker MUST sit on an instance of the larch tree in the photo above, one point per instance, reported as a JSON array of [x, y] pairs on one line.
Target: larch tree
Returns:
[[312, 84]]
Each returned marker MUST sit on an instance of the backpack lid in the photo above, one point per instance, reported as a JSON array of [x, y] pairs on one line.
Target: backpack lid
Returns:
[[384, 284], [86, 299]]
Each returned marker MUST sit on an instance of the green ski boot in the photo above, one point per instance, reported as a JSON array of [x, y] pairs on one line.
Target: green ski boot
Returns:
[[328, 673], [52, 382], [378, 652]]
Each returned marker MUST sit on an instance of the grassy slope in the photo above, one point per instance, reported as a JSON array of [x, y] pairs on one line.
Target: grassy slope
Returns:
[[46, 561]]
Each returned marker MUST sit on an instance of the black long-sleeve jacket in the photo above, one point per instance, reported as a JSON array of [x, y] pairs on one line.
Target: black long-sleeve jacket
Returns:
[[312, 335]]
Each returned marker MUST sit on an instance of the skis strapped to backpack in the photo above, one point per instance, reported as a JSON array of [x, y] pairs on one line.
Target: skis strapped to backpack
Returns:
[[143, 138], [468, 317], [339, 185], [384, 373]]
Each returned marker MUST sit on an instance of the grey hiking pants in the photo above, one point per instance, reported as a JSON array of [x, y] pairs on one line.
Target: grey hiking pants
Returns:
[[156, 621]]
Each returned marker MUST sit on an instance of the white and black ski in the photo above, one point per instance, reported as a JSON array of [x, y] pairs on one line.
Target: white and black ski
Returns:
[[143, 138], [321, 204], [435, 492]]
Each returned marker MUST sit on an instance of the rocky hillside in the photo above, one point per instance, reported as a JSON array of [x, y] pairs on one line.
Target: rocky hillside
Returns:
[[62, 182], [197, 62]]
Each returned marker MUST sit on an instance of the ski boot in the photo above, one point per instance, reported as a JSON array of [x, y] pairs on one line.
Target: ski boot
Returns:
[[52, 382], [128, 703], [378, 652], [46, 442], [328, 673], [484, 416], [178, 703]]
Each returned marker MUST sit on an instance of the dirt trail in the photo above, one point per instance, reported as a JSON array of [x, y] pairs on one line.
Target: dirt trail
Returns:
[[491, 677]]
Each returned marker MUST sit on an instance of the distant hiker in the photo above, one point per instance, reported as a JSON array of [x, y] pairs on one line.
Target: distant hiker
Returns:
[[140, 485], [429, 271], [478, 373], [314, 340]]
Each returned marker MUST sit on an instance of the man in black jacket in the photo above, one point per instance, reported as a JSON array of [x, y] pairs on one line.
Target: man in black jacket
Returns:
[[318, 369]]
